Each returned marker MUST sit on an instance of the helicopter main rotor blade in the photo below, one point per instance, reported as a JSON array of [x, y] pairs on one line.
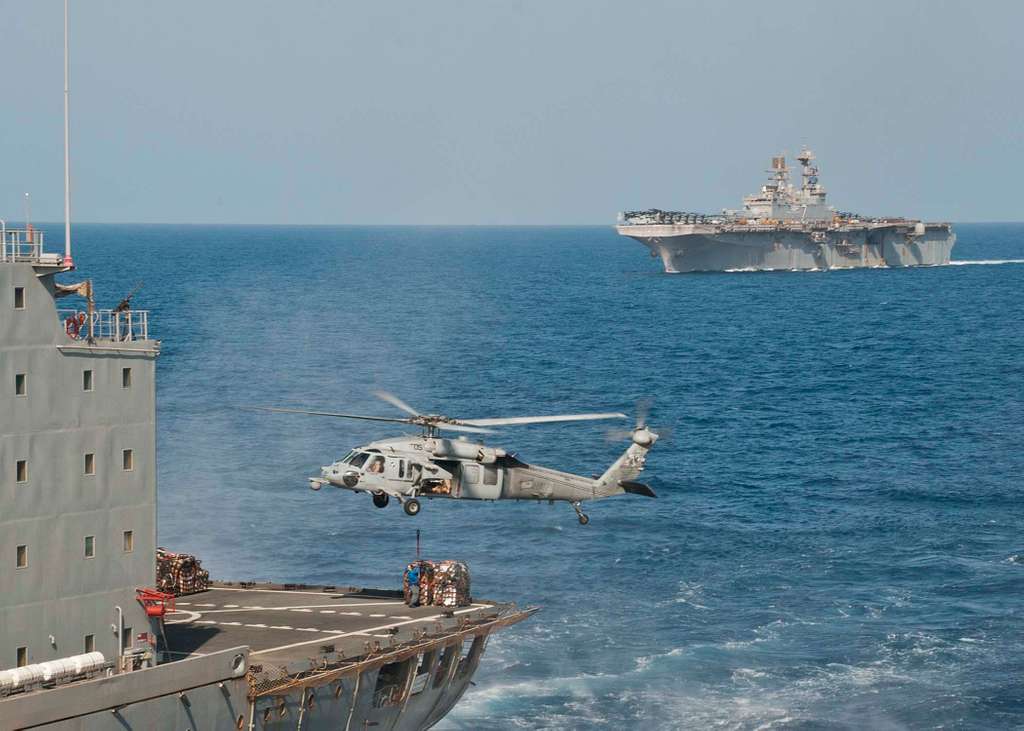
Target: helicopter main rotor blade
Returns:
[[462, 427], [509, 421], [329, 413], [395, 401]]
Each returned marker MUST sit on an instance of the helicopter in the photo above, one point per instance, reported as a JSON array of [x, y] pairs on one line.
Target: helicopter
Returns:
[[430, 465]]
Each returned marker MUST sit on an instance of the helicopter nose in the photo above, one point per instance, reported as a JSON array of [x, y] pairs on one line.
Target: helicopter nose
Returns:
[[350, 478]]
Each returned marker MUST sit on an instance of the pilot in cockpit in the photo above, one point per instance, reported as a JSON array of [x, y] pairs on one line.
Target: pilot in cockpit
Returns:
[[376, 465]]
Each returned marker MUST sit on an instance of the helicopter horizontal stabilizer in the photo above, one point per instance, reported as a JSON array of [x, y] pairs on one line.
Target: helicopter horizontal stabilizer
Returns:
[[636, 488]]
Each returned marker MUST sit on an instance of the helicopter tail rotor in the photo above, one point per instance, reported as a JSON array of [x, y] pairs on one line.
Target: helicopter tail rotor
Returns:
[[641, 434]]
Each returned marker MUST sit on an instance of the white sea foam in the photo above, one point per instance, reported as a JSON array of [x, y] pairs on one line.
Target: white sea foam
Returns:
[[965, 262], [954, 262]]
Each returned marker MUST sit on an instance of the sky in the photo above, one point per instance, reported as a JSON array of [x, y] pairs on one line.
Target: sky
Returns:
[[512, 112]]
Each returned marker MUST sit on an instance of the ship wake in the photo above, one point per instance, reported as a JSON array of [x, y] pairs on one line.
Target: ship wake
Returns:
[[966, 262]]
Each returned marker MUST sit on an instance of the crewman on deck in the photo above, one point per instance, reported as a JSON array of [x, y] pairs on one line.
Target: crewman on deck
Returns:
[[413, 578]]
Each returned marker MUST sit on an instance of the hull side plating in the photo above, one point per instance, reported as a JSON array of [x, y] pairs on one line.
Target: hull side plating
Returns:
[[682, 250]]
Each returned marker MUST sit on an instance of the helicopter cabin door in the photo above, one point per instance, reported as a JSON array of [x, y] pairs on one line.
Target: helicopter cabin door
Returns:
[[480, 481]]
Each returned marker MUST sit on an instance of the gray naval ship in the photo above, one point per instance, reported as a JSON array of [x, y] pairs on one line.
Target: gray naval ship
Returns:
[[86, 641], [782, 227], [83, 642]]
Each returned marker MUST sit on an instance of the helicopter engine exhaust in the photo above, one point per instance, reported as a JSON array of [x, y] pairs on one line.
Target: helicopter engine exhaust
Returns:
[[457, 449]]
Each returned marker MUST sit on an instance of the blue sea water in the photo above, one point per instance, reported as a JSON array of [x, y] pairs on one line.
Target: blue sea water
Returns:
[[838, 539]]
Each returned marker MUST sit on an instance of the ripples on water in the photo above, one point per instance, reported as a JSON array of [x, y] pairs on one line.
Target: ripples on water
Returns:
[[837, 539]]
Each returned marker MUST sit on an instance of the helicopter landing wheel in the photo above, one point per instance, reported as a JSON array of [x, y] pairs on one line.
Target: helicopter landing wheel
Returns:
[[412, 506], [580, 514], [584, 519], [381, 499]]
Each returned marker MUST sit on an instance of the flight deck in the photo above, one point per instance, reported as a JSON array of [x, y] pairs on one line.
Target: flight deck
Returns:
[[282, 625]]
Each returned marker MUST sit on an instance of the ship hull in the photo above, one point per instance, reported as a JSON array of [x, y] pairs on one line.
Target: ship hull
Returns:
[[706, 248]]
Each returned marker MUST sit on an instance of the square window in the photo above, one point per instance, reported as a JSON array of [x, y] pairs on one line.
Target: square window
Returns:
[[128, 460], [87, 380], [22, 657], [22, 559], [126, 378], [90, 546], [19, 298], [20, 384], [90, 643], [126, 638], [21, 468], [129, 541], [90, 463]]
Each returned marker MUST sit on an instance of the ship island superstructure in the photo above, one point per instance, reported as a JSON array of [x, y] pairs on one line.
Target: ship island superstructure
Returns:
[[784, 227], [83, 644]]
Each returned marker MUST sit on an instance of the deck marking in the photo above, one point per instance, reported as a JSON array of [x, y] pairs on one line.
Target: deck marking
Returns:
[[192, 616], [206, 605], [377, 616], [257, 626], [326, 611], [230, 606], [431, 618], [281, 626], [206, 621], [300, 606], [329, 594]]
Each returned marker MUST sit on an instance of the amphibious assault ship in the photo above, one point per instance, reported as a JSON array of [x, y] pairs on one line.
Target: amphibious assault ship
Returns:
[[782, 227]]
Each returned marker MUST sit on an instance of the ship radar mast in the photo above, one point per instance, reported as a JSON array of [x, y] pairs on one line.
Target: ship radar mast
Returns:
[[809, 172]]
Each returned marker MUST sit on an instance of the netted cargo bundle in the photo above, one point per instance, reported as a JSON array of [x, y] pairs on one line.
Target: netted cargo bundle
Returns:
[[441, 583], [179, 573], [451, 584]]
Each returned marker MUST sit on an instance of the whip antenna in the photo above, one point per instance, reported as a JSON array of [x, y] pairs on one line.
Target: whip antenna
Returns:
[[67, 149]]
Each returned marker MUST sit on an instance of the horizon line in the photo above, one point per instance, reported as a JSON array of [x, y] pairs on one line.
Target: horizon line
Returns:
[[14, 223]]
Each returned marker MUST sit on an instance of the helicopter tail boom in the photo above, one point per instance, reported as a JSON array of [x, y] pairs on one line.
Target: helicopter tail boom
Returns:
[[621, 476]]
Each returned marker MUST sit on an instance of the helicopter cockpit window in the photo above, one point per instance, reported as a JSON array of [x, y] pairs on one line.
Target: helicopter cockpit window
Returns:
[[348, 457], [359, 459], [376, 465]]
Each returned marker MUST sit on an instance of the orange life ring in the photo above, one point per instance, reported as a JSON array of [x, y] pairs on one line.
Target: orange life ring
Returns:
[[73, 325]]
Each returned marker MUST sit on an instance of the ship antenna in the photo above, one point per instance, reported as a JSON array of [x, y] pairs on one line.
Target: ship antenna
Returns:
[[67, 150]]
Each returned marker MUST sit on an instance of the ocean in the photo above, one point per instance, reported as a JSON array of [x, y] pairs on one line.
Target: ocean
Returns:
[[838, 539]]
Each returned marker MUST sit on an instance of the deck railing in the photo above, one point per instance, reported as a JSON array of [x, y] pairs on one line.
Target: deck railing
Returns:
[[21, 244], [107, 325]]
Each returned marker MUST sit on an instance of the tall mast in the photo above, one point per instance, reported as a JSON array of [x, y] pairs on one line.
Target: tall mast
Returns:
[[67, 149]]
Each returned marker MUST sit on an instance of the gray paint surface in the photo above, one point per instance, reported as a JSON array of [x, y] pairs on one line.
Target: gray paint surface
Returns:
[[53, 426], [707, 248]]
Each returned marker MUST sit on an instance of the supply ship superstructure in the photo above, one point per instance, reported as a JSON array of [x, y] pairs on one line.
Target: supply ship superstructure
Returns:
[[83, 644], [782, 227]]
